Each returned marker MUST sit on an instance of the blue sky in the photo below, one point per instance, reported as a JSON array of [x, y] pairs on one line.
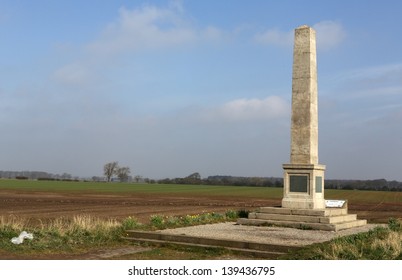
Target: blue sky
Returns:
[[174, 87]]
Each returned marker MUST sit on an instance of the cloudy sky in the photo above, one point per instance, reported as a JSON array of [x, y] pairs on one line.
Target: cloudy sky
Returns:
[[174, 87]]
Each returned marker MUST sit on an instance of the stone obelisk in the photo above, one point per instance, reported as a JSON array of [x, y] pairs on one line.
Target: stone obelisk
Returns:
[[304, 177], [303, 204]]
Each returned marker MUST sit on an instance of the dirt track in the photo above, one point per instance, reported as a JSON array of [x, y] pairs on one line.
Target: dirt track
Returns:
[[49, 205]]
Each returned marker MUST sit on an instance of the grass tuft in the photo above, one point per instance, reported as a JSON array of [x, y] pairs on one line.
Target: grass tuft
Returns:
[[84, 231], [60, 234], [163, 222], [380, 243]]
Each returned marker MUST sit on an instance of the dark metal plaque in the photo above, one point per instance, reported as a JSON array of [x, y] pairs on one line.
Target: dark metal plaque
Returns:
[[298, 183], [318, 184]]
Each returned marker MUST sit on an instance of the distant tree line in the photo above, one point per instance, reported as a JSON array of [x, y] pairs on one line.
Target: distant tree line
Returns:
[[195, 179], [36, 175], [122, 174], [377, 185]]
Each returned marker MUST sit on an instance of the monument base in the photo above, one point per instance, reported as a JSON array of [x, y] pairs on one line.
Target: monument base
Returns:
[[303, 186], [303, 202], [328, 219]]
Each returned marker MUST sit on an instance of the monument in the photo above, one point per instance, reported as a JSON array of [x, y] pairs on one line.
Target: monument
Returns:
[[304, 177], [303, 203]]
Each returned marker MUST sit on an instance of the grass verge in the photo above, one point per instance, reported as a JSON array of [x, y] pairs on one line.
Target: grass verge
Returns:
[[59, 235], [164, 222], [380, 243], [62, 235]]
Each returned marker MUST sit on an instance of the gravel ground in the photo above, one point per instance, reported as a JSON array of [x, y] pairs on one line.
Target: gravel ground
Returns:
[[268, 235]]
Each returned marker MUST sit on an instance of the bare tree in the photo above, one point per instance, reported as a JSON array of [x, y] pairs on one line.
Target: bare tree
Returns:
[[137, 178], [109, 169], [122, 173]]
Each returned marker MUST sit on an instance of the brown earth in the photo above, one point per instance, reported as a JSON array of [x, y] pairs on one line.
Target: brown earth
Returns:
[[36, 205], [48, 205], [41, 206]]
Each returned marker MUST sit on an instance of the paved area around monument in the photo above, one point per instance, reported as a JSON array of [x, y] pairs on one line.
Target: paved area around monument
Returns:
[[267, 235]]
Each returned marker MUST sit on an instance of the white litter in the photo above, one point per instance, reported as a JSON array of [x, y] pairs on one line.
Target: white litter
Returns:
[[20, 239]]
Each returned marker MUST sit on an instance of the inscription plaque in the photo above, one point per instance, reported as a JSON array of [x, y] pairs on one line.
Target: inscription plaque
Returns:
[[298, 183], [318, 184]]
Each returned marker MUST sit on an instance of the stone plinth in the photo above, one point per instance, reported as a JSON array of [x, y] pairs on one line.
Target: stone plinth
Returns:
[[329, 219], [303, 186]]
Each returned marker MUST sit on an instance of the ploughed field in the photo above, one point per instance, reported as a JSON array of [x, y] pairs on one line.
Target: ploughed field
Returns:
[[43, 200]]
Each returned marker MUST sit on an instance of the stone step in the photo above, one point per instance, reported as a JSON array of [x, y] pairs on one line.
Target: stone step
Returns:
[[292, 224], [305, 212], [207, 241], [306, 219], [303, 225], [256, 253], [350, 224], [338, 219], [271, 251], [286, 218]]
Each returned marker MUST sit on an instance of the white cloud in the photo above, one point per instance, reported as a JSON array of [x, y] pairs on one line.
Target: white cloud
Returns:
[[76, 74], [150, 27], [275, 37], [177, 5], [374, 82], [250, 109], [377, 73], [212, 33], [144, 28], [329, 34]]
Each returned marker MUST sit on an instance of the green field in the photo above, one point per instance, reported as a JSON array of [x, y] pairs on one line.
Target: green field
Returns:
[[192, 190], [185, 190]]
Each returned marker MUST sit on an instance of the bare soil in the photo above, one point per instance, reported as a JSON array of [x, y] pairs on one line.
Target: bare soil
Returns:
[[48, 205], [36, 205]]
